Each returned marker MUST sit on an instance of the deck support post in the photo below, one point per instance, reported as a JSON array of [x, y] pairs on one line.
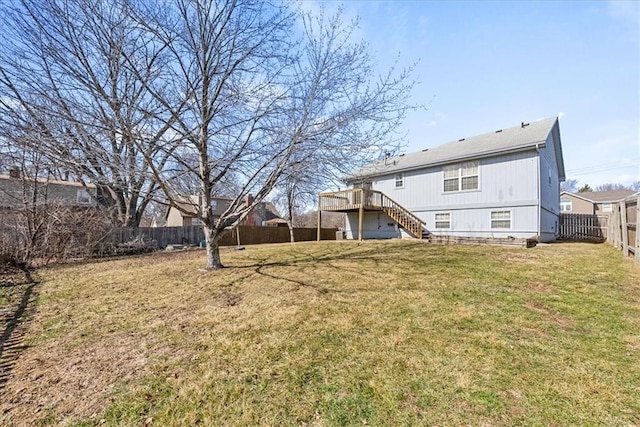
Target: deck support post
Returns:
[[319, 216], [361, 214]]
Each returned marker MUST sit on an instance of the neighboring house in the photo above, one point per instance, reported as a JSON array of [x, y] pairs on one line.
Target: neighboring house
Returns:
[[16, 192], [263, 214], [592, 202], [502, 184], [187, 216]]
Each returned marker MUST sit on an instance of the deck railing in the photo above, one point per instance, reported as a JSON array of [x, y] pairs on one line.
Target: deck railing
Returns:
[[351, 199]]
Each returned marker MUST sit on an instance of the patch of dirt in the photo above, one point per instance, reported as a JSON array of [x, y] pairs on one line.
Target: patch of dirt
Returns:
[[524, 256], [227, 298], [563, 321], [539, 287], [76, 382], [11, 275]]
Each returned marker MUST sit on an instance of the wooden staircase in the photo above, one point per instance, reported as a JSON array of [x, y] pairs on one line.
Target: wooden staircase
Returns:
[[407, 220]]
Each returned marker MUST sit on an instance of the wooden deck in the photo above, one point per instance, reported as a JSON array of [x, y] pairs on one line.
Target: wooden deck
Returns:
[[351, 200], [361, 200]]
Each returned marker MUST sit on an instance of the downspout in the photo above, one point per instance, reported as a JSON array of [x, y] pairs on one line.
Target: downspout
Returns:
[[539, 205]]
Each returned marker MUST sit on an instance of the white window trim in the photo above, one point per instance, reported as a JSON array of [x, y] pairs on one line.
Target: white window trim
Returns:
[[82, 192], [435, 221], [501, 228], [567, 203], [396, 180], [459, 167]]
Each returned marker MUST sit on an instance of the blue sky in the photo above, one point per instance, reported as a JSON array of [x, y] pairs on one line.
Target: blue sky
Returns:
[[486, 65]]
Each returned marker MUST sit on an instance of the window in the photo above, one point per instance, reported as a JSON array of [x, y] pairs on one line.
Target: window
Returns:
[[461, 177], [196, 221], [83, 197], [443, 220], [549, 177], [399, 180], [500, 219], [565, 204], [214, 205], [606, 207]]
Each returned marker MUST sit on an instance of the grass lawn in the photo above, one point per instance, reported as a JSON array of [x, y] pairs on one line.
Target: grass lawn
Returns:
[[335, 333]]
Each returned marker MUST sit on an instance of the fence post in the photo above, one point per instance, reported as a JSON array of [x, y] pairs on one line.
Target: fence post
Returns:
[[636, 254], [617, 236], [319, 217], [625, 230]]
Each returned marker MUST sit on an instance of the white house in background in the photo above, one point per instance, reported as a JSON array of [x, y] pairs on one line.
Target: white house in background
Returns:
[[502, 184]]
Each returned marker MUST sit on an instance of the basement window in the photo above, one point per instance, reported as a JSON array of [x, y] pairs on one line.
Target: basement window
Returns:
[[500, 219], [461, 177], [443, 220]]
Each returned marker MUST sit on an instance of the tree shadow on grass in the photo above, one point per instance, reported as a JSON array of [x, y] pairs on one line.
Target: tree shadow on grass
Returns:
[[12, 324], [332, 260]]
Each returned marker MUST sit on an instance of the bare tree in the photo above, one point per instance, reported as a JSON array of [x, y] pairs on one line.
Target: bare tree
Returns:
[[75, 76], [585, 189], [256, 103], [570, 185], [297, 191], [612, 187]]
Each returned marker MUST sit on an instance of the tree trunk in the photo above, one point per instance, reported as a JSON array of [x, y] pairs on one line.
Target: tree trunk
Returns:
[[290, 219], [291, 235], [212, 238]]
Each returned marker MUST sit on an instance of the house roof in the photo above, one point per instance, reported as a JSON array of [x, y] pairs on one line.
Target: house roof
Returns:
[[271, 212], [49, 181], [602, 196], [519, 138]]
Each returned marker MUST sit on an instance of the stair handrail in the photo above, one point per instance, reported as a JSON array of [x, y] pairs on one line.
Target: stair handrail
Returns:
[[406, 211]]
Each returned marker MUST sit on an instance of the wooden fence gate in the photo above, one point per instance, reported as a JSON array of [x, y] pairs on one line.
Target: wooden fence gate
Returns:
[[583, 227]]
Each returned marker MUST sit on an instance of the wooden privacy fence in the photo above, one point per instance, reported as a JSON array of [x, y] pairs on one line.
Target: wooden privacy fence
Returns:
[[193, 235], [623, 227], [583, 227]]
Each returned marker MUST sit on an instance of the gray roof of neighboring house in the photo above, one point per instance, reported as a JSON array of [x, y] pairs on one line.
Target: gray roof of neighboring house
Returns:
[[47, 181], [603, 196], [514, 139]]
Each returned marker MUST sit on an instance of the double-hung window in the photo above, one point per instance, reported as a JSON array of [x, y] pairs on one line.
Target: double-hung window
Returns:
[[461, 177], [500, 219], [399, 180], [443, 220]]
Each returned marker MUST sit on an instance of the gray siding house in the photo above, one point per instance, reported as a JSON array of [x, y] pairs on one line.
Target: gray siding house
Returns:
[[502, 184], [17, 191]]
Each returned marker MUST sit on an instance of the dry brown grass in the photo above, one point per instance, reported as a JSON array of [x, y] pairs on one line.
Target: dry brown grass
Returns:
[[336, 333]]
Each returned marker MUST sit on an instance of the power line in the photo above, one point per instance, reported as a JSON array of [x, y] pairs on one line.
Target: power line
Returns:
[[601, 168]]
